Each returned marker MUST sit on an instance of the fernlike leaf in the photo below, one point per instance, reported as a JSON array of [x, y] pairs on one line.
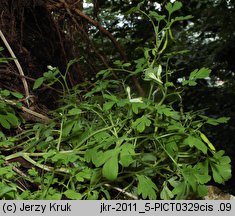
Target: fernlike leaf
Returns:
[[217, 121], [202, 172], [181, 190], [33, 172], [84, 174], [146, 187], [137, 106], [166, 194], [197, 74], [93, 195], [102, 136], [173, 7], [97, 157], [221, 167], [189, 82], [127, 150], [163, 109], [193, 141], [200, 74], [55, 196], [189, 176], [202, 190], [51, 75], [2, 105], [96, 176], [141, 123], [221, 173], [126, 65]]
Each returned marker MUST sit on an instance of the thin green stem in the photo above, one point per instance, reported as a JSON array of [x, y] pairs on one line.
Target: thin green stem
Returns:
[[61, 133], [168, 154], [151, 90]]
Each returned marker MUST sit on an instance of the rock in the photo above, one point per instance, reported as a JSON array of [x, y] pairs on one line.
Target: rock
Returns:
[[214, 193]]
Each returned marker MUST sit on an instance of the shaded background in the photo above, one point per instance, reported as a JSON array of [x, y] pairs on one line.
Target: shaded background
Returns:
[[50, 32]]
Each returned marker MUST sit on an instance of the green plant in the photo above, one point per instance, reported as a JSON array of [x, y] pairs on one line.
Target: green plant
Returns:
[[144, 146]]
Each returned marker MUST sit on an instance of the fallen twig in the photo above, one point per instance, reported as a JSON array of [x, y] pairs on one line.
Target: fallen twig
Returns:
[[16, 169], [122, 191], [38, 115]]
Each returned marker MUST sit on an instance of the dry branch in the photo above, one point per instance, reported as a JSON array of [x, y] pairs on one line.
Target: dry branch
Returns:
[[122, 191], [43, 118], [96, 24], [70, 8], [25, 84]]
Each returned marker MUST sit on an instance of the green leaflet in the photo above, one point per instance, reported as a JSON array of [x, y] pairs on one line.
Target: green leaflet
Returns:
[[93, 195], [17, 95], [67, 128], [141, 123], [71, 194], [194, 180], [166, 193], [38, 82], [194, 141], [127, 151], [221, 167], [200, 74], [84, 175], [146, 187], [4, 122], [108, 105], [75, 111], [197, 74], [173, 7], [217, 121], [110, 168]]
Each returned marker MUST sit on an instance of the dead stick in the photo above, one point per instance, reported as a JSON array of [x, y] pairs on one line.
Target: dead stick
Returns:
[[122, 191], [44, 118], [25, 84], [108, 34], [16, 169], [96, 24]]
